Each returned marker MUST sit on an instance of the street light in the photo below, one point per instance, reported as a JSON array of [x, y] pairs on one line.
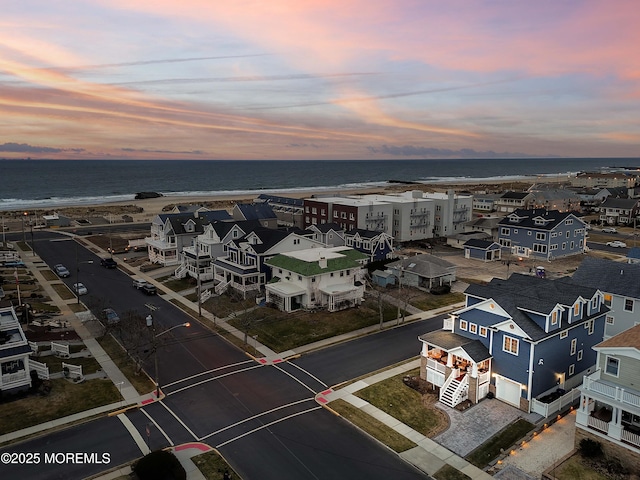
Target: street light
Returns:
[[150, 323]]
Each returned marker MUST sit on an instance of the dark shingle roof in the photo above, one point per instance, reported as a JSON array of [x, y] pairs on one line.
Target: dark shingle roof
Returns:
[[529, 217], [609, 276], [296, 202], [325, 227], [363, 233], [515, 195], [522, 293], [449, 340], [256, 211], [624, 203], [477, 243]]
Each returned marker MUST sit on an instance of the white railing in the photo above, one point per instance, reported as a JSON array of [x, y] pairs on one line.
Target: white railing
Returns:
[[461, 392], [60, 349], [206, 295], [630, 437], [435, 365], [181, 271], [74, 371], [483, 378], [547, 409], [598, 424], [222, 286], [9, 256], [14, 377], [41, 369], [447, 324], [591, 383]]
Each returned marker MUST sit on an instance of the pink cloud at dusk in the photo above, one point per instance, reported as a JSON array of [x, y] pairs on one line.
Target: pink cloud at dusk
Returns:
[[247, 79]]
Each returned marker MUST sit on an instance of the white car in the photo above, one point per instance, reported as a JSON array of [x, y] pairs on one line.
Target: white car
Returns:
[[617, 244], [609, 230], [80, 289], [139, 283]]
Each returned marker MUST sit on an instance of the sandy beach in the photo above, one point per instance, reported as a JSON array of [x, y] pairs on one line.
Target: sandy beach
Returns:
[[144, 210]]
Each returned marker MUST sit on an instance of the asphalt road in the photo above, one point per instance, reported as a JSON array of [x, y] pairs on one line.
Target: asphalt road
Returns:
[[263, 419]]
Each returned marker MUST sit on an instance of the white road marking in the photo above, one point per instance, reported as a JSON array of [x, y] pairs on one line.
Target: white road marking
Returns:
[[297, 380], [256, 416], [157, 426], [267, 425], [312, 376], [212, 379], [135, 434], [208, 371], [195, 437]]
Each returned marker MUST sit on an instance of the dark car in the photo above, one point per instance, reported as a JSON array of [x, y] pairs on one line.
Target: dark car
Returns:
[[440, 289], [149, 289], [108, 263], [110, 316]]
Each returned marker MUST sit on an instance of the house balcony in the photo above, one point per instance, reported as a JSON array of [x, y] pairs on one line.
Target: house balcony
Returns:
[[160, 244], [16, 379], [609, 392]]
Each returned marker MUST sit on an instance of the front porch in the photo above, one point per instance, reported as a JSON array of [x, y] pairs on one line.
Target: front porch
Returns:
[[242, 278], [460, 374], [612, 412]]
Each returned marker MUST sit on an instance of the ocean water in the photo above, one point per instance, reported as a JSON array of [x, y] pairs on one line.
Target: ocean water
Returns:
[[26, 184]]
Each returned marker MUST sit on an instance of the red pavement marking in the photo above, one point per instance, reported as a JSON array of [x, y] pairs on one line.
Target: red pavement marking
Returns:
[[327, 392], [277, 360], [200, 446], [144, 402], [322, 400], [262, 360]]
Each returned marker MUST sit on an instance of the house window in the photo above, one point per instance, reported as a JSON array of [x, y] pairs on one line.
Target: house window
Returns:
[[463, 324], [564, 334], [612, 366], [579, 355], [628, 304], [299, 277], [510, 345], [473, 328], [541, 236], [313, 279], [572, 369], [539, 248], [576, 310], [574, 344], [610, 319], [554, 318], [589, 326], [504, 231], [607, 299], [483, 331]]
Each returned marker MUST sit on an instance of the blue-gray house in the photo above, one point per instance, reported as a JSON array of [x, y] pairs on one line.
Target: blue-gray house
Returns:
[[377, 245], [485, 250], [520, 339], [542, 233]]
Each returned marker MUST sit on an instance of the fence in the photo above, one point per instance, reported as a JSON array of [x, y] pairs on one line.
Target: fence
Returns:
[[60, 349], [72, 371], [548, 409], [41, 369]]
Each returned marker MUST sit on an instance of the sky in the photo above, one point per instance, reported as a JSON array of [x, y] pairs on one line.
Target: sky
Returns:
[[319, 79]]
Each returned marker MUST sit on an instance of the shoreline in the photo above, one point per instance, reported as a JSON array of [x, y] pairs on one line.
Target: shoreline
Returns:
[[142, 209]]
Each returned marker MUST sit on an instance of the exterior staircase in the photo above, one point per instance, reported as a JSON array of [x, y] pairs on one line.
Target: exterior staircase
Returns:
[[181, 271], [454, 390], [221, 287]]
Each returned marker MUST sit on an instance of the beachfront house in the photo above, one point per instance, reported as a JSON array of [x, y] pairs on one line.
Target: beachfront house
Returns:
[[524, 339], [609, 409], [376, 245], [243, 267], [196, 259], [14, 354], [510, 201], [330, 234], [290, 211], [620, 285], [541, 233], [172, 232], [317, 278]]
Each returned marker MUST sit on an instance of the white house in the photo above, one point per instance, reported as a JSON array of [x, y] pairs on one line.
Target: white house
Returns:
[[329, 278], [14, 353]]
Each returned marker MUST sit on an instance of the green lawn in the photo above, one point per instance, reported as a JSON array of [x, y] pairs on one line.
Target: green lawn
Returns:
[[88, 364], [213, 466], [372, 426], [404, 403], [65, 398], [282, 331], [449, 473]]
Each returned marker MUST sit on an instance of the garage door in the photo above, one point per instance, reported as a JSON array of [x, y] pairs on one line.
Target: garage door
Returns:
[[508, 391]]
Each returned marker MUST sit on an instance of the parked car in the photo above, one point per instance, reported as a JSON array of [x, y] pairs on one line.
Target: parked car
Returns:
[[149, 289], [110, 316], [61, 271], [139, 283], [108, 262], [617, 244], [80, 289], [609, 230]]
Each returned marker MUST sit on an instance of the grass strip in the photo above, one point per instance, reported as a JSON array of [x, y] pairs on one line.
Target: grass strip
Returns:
[[213, 466], [141, 382], [499, 443], [372, 426]]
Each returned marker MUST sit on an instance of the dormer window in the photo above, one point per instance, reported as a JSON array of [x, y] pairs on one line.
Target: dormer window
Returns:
[[576, 309], [554, 317]]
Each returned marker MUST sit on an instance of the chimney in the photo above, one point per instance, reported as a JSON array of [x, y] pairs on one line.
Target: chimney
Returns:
[[322, 263]]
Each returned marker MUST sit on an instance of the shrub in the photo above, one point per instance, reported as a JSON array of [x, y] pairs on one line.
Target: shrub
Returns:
[[160, 465], [590, 448]]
